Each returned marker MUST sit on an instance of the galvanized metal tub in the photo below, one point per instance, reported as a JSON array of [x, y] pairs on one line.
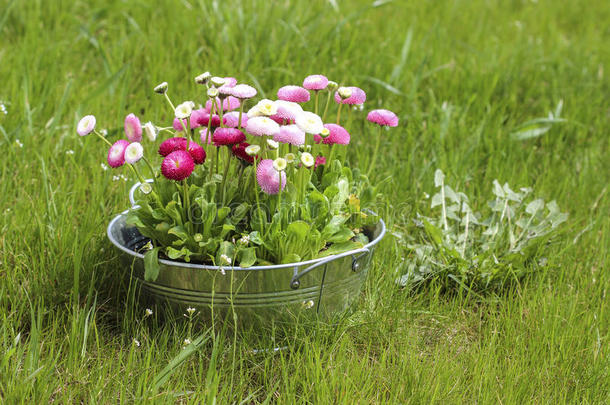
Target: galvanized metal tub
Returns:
[[259, 296]]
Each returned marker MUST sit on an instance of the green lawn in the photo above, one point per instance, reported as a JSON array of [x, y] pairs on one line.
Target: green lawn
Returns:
[[462, 76]]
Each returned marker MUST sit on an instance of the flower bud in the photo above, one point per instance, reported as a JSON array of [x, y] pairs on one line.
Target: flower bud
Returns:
[[217, 81], [280, 164], [273, 144], [252, 150], [344, 92], [332, 86], [161, 88], [203, 78], [198, 237], [307, 159], [212, 92], [145, 188], [290, 157], [325, 133]]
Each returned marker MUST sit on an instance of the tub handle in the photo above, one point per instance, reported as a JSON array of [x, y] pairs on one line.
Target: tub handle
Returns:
[[133, 189], [357, 254]]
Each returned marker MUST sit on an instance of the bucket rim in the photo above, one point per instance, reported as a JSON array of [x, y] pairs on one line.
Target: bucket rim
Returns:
[[174, 263]]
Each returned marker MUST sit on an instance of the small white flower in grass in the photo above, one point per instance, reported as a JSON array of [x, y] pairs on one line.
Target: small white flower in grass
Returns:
[[290, 157], [3, 109], [161, 88], [104, 132], [225, 259], [184, 110], [134, 152], [280, 164], [187, 342], [104, 166], [151, 131], [116, 178], [69, 152], [307, 159], [273, 144], [252, 150], [309, 122], [136, 342], [190, 310], [244, 240], [148, 312], [18, 142], [86, 125]]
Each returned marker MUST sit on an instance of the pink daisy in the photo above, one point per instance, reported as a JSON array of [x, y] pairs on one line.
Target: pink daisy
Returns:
[[231, 119], [86, 125], [243, 91], [291, 134], [178, 165], [203, 136], [286, 111], [315, 82], [260, 126], [228, 104], [383, 118], [269, 179], [338, 135], [173, 144], [296, 94], [239, 150], [116, 153], [358, 96], [133, 128], [228, 136]]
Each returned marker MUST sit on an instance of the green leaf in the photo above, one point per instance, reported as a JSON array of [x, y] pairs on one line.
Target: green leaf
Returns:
[[246, 257], [439, 178], [151, 264], [291, 258], [337, 248], [343, 235], [434, 232], [298, 230], [535, 206]]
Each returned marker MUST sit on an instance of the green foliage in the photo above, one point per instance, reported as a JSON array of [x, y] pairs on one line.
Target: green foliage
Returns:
[[223, 220], [461, 248]]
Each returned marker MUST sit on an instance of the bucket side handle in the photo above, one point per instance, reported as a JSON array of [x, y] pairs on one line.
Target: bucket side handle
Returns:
[[357, 254], [133, 189]]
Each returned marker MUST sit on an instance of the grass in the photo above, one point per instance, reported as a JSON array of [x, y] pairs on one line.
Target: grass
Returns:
[[463, 76]]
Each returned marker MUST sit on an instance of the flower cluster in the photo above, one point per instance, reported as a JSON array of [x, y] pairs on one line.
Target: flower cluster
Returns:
[[249, 151]]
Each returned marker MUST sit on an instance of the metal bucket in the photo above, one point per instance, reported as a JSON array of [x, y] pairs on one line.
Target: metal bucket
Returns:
[[260, 296]]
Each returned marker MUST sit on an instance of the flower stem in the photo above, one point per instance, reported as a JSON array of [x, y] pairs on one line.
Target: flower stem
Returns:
[[377, 142], [225, 175], [339, 113], [102, 137], [169, 101], [241, 111], [316, 102], [326, 107], [152, 171]]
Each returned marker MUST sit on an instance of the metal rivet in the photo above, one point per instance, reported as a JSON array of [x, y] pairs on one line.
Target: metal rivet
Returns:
[[295, 284], [355, 266]]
